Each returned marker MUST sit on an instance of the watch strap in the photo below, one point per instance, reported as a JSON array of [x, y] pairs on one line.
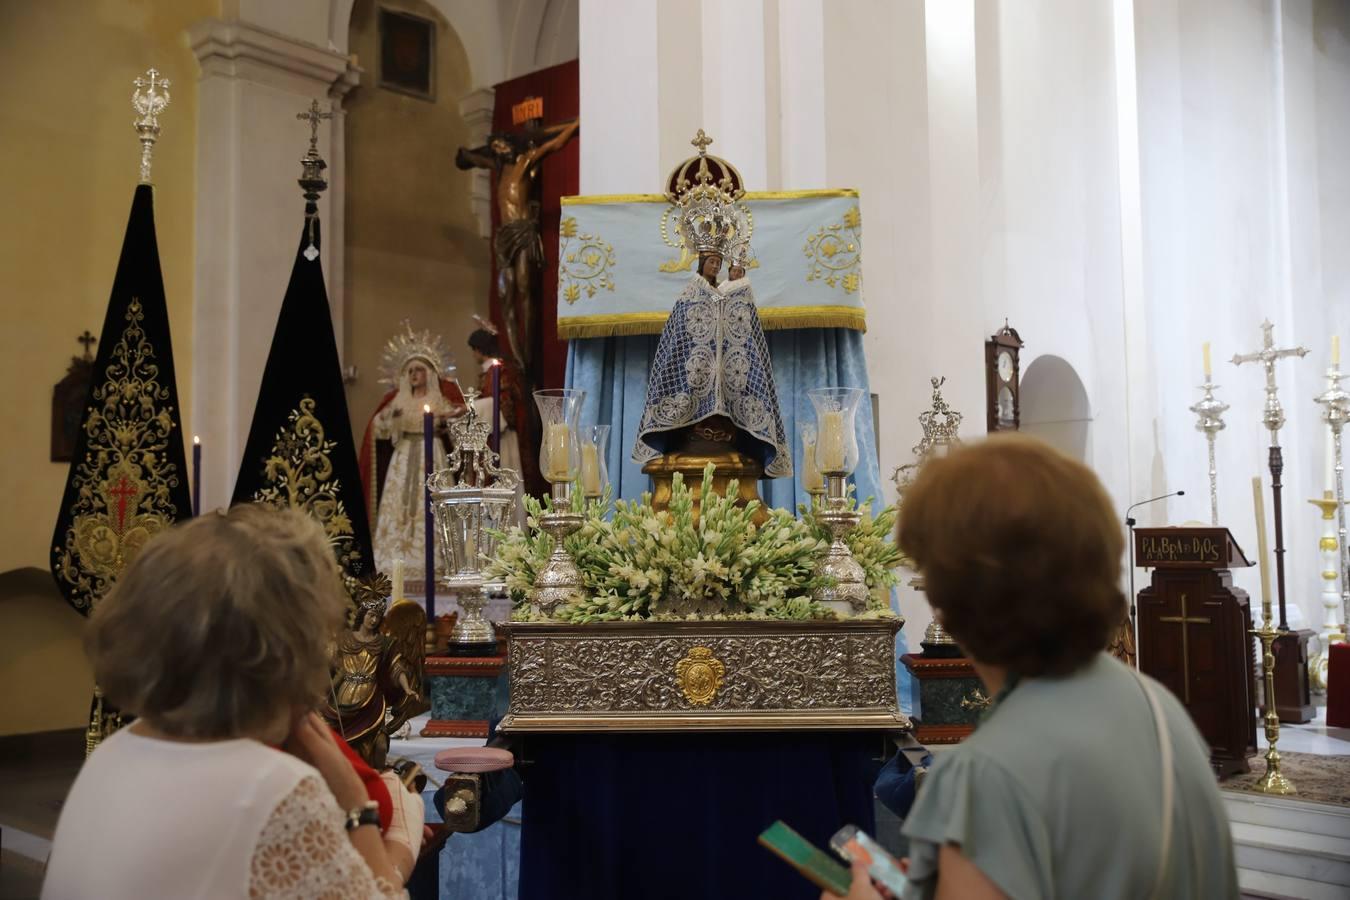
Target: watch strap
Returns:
[[367, 813]]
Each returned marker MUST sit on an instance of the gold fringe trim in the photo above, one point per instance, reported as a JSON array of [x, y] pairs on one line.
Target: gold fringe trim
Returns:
[[627, 324], [601, 199]]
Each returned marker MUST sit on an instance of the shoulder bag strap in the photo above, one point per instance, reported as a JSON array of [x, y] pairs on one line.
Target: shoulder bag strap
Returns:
[[1168, 779]]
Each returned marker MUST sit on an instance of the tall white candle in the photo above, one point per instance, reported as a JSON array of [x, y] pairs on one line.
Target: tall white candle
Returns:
[[1205, 349], [1335, 351], [590, 470], [398, 580], [830, 450], [559, 452], [1259, 500]]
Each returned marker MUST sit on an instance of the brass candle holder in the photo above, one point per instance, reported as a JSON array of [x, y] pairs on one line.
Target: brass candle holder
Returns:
[[1273, 782]]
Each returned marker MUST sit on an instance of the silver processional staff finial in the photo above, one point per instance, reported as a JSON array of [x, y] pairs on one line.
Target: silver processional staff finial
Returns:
[[149, 99]]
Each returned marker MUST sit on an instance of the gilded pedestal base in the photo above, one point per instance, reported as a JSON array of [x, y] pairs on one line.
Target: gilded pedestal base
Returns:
[[727, 675]]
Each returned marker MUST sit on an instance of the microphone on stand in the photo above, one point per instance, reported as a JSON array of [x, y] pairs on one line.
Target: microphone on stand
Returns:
[[1130, 523]]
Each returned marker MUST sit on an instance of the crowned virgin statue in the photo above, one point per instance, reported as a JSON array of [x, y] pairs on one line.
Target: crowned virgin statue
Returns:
[[710, 394], [420, 374]]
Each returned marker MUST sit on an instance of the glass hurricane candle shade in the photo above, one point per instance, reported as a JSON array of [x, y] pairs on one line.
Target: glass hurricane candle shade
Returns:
[[559, 451], [836, 439], [812, 481], [594, 471]]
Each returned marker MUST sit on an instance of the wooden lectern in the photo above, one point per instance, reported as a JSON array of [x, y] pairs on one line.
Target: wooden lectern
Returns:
[[1194, 635]]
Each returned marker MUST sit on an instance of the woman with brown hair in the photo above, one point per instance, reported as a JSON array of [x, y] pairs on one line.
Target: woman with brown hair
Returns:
[[216, 637], [1085, 779]]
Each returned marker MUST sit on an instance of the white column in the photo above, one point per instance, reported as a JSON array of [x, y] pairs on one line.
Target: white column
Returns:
[[733, 86], [476, 108], [800, 95], [249, 216], [620, 129]]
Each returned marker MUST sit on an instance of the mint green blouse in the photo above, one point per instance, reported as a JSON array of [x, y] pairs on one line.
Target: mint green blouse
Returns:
[[1058, 795]]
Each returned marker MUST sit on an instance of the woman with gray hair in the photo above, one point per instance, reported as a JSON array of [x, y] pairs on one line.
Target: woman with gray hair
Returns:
[[217, 638]]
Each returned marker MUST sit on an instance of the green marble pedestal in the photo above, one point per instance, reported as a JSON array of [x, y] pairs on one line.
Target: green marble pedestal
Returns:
[[951, 698], [462, 690]]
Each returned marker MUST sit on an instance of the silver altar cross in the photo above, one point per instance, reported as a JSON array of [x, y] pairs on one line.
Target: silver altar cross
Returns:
[[1266, 356], [314, 117], [311, 177], [149, 99]]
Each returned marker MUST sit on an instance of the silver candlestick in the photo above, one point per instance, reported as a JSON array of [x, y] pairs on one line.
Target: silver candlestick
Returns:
[[1210, 411], [473, 499], [1336, 412], [559, 583], [847, 592]]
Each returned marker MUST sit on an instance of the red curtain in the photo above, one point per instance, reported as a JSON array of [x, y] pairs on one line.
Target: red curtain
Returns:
[[559, 87]]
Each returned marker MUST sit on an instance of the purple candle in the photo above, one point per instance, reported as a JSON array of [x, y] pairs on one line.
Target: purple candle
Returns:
[[496, 406], [428, 435], [196, 475]]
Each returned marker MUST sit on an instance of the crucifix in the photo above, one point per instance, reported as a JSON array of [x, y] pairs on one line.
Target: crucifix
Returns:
[[1183, 620], [1274, 421], [88, 340]]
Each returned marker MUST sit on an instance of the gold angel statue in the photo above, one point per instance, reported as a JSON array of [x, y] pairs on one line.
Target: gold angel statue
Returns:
[[377, 672]]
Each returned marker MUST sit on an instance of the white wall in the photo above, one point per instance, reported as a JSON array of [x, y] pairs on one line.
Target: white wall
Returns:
[[1122, 179]]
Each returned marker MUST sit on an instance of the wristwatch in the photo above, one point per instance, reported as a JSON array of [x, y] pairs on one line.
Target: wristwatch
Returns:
[[367, 813]]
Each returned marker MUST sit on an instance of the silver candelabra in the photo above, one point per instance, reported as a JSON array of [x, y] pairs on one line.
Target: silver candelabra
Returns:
[[1210, 411], [1336, 412]]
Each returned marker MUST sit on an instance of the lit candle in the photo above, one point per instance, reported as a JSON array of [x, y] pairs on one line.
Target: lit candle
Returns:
[[1205, 348], [1335, 351], [398, 580], [196, 475], [428, 435], [590, 470], [812, 480], [559, 452], [1259, 501], [831, 453], [497, 406]]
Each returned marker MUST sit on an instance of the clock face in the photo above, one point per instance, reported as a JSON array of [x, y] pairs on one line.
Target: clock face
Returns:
[[1005, 366]]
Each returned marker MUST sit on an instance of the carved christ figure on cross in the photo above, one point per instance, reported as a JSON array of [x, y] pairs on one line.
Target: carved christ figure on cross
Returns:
[[516, 244]]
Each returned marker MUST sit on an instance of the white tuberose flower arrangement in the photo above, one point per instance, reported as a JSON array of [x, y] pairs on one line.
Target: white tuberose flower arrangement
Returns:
[[645, 564]]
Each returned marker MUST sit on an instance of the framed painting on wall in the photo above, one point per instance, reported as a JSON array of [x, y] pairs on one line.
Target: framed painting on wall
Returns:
[[407, 53]]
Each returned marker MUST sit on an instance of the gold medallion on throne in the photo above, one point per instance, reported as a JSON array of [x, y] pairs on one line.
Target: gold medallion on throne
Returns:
[[700, 675]]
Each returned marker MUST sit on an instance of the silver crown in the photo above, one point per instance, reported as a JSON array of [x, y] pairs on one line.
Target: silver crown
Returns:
[[941, 427], [705, 192]]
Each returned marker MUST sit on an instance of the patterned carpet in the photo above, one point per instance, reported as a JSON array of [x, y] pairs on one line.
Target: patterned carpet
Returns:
[[1321, 779]]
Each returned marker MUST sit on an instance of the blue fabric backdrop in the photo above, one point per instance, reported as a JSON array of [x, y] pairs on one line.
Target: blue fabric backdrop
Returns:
[[613, 372]]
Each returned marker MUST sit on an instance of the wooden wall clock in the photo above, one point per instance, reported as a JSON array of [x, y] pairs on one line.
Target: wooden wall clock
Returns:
[[1002, 375]]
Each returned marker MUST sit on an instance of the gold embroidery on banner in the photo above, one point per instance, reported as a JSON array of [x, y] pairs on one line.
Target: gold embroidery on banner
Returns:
[[584, 266], [300, 475], [834, 253], [700, 675], [123, 483]]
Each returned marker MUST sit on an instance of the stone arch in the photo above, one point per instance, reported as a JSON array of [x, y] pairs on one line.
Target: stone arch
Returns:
[[1055, 406]]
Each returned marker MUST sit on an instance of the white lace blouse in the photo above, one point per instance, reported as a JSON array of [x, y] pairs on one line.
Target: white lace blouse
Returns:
[[151, 818]]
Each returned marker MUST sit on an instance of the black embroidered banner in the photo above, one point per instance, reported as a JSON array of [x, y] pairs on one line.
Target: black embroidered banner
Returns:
[[300, 451], [128, 478]]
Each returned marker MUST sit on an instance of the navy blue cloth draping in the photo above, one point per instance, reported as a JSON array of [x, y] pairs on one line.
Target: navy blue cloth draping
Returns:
[[653, 816]]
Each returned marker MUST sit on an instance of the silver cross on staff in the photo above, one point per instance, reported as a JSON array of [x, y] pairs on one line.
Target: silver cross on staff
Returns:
[[314, 117], [1266, 356]]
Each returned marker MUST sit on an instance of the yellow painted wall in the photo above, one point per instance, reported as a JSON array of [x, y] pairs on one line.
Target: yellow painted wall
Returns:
[[413, 249], [69, 155]]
